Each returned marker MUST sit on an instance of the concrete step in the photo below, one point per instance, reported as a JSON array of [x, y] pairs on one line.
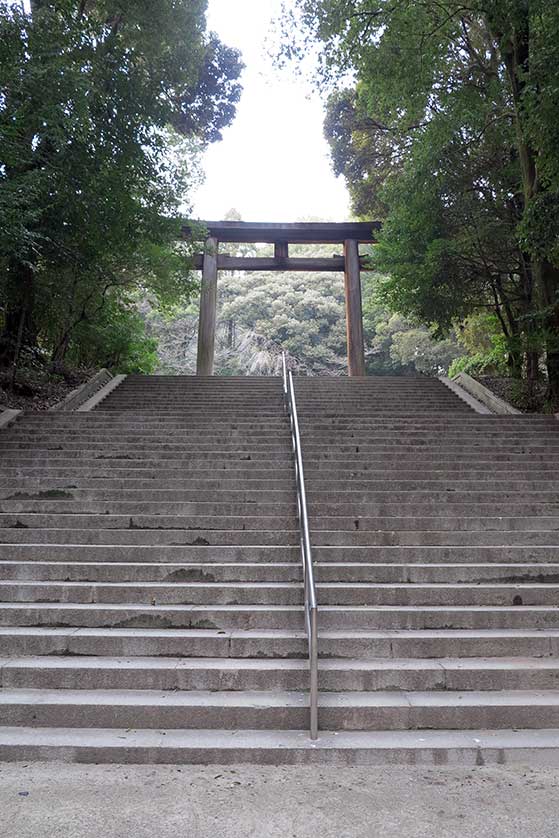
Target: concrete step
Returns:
[[150, 537], [414, 508], [278, 553], [401, 423], [160, 465], [340, 487], [446, 446], [161, 447], [154, 483], [433, 573], [433, 523], [223, 617], [436, 593], [323, 489], [371, 407], [215, 747], [229, 471], [161, 673], [393, 409], [193, 524], [358, 572], [351, 644], [99, 572], [437, 617], [422, 437], [133, 437], [320, 538], [134, 508], [156, 673], [132, 422], [317, 498], [439, 709], [67, 642], [199, 524], [219, 406], [283, 710], [183, 593], [216, 411], [442, 554], [427, 538], [137, 615], [221, 592], [154, 553], [195, 458], [325, 465], [232, 470]]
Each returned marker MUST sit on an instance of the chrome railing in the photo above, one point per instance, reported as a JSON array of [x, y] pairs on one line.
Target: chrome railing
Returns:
[[311, 608]]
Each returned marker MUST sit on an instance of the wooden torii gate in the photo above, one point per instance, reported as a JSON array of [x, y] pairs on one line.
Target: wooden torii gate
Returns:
[[350, 235]]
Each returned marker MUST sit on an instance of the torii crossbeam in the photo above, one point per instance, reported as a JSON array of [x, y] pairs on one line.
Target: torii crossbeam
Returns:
[[350, 235]]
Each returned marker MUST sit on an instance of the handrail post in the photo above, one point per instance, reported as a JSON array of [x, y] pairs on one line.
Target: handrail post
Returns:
[[313, 664], [309, 587]]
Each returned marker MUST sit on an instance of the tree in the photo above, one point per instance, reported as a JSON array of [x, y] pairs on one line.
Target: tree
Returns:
[[451, 131], [527, 35], [93, 171]]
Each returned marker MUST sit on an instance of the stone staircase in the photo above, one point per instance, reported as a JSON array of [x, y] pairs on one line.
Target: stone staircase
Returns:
[[150, 577], [435, 535]]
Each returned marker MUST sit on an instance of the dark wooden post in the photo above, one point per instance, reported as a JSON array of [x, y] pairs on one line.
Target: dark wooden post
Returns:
[[354, 313], [208, 309], [281, 250]]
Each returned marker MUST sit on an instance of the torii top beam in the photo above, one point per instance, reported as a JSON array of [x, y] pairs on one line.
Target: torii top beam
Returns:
[[307, 232]]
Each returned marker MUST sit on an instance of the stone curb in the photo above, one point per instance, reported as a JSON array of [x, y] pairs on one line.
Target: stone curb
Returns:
[[101, 394], [463, 394], [84, 392], [485, 396], [8, 415]]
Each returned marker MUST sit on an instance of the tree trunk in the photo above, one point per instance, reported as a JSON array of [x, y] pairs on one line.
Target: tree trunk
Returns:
[[547, 276], [515, 48], [59, 353], [19, 328]]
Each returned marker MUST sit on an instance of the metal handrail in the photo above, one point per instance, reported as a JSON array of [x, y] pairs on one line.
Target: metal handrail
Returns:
[[311, 608]]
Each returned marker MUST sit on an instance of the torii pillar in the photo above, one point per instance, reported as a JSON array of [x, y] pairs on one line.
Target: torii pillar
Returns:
[[208, 310], [354, 309]]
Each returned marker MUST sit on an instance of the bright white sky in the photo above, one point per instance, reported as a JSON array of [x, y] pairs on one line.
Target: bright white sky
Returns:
[[272, 164]]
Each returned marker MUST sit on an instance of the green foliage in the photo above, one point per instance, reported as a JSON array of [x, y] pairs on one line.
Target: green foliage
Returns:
[[481, 333], [92, 169], [301, 312], [482, 363], [118, 340], [449, 134], [398, 346]]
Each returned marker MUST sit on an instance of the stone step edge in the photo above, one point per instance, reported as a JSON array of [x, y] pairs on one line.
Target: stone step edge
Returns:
[[147, 662], [349, 585], [70, 632], [426, 747], [280, 699]]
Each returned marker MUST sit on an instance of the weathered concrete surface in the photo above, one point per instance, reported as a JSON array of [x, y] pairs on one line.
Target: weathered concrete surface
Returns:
[[8, 415], [465, 395], [101, 394], [49, 800], [479, 391]]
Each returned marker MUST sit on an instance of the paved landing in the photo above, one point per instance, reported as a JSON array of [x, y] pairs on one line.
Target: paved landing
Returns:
[[49, 800]]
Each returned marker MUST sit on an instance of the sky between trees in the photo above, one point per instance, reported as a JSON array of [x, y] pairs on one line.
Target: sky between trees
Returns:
[[273, 163]]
